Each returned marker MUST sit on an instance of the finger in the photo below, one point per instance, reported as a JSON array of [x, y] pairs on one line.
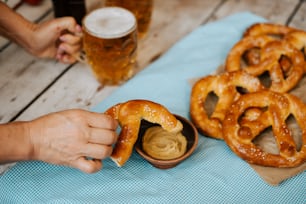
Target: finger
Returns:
[[70, 49], [87, 166], [70, 39], [68, 23], [67, 59], [102, 136], [97, 151], [100, 120]]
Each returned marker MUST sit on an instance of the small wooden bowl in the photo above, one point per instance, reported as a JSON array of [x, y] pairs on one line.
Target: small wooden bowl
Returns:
[[190, 133]]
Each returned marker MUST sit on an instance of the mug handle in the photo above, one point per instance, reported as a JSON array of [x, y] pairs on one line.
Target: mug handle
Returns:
[[81, 57]]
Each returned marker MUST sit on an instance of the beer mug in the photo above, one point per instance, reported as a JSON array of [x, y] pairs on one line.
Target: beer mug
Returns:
[[110, 44], [142, 9]]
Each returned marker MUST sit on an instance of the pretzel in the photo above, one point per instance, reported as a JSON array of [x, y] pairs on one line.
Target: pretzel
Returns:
[[285, 63], [234, 57], [276, 30], [239, 133], [129, 116], [225, 87], [298, 40], [283, 78]]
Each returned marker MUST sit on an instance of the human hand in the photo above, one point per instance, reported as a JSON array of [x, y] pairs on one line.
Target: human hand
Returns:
[[71, 137], [58, 38]]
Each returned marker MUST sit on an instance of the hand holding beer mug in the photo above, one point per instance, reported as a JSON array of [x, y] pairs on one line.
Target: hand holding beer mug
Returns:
[[142, 9], [110, 44]]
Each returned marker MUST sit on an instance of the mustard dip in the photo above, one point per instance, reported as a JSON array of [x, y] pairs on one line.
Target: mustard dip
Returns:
[[161, 144]]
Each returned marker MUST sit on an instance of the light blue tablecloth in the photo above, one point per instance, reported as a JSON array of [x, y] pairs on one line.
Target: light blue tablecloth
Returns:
[[213, 174]]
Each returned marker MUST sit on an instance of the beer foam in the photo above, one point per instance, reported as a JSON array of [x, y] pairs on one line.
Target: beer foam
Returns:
[[110, 22]]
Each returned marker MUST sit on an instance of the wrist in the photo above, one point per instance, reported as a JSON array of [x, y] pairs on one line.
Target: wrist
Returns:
[[15, 143], [27, 40]]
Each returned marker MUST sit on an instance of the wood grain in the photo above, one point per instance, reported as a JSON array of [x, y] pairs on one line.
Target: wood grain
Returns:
[[31, 87]]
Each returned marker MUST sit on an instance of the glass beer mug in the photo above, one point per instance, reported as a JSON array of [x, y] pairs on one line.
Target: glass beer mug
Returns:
[[110, 44], [142, 9]]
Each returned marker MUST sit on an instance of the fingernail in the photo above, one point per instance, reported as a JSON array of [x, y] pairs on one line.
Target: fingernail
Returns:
[[65, 59], [78, 28], [61, 48], [62, 38], [58, 57]]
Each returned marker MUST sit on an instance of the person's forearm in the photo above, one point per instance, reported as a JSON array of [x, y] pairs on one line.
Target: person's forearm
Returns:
[[15, 144], [15, 27]]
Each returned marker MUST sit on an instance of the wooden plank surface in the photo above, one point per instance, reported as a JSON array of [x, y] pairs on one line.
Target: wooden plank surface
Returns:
[[31, 87], [299, 19], [167, 27], [277, 11], [23, 78]]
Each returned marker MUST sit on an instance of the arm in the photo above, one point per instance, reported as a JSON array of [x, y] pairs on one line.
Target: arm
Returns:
[[57, 38], [64, 138], [14, 27]]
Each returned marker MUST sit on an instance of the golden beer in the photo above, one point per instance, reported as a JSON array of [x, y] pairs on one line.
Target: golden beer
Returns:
[[142, 9], [110, 44]]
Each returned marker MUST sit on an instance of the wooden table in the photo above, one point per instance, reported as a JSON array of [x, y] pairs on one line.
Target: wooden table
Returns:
[[30, 87]]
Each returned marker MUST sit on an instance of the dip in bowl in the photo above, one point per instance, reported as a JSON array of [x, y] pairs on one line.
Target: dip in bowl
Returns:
[[160, 159]]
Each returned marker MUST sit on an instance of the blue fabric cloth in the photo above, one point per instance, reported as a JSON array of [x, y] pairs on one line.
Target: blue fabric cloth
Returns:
[[213, 174]]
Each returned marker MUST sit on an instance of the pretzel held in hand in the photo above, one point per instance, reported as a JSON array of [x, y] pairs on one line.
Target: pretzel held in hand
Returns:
[[129, 116], [224, 86], [239, 132]]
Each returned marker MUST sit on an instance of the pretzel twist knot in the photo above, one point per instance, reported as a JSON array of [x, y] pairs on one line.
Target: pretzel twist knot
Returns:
[[224, 86], [281, 59], [129, 116], [240, 131]]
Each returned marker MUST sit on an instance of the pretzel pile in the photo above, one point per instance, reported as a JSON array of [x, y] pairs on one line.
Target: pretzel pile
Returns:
[[247, 105]]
